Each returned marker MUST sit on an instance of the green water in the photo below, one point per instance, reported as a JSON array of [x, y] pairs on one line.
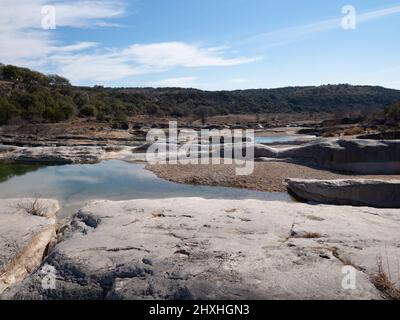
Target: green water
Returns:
[[74, 185], [8, 171]]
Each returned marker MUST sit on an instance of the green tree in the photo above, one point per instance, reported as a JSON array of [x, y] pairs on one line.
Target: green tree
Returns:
[[55, 80], [81, 99], [88, 111], [120, 122], [392, 114], [8, 111]]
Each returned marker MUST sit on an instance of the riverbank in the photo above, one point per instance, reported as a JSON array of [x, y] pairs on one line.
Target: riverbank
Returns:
[[267, 176]]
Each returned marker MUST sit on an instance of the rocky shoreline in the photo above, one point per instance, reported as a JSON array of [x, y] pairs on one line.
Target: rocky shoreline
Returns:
[[353, 156], [192, 248], [268, 176]]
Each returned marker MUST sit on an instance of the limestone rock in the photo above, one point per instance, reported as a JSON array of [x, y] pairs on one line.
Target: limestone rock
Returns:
[[24, 237], [356, 192], [54, 155], [191, 248], [355, 155]]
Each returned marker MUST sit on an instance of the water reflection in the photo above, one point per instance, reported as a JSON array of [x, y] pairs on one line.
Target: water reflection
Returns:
[[7, 171], [74, 185]]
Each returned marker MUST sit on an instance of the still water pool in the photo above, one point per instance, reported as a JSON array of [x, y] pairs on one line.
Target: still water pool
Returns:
[[274, 139], [74, 185]]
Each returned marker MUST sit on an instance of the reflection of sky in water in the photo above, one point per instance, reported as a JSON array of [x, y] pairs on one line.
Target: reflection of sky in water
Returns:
[[73, 185], [273, 139]]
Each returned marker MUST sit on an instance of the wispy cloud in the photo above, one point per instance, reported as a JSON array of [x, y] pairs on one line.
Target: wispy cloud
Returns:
[[24, 42], [175, 54], [81, 14], [140, 59], [20, 28], [297, 33]]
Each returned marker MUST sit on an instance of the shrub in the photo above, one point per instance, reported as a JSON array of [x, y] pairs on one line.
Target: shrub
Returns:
[[8, 111], [120, 122], [88, 111]]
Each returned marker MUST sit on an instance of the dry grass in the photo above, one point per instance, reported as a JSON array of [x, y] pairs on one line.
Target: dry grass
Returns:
[[384, 283], [311, 235], [305, 235], [344, 259], [35, 208]]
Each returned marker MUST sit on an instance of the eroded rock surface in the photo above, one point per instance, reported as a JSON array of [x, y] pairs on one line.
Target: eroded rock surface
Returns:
[[24, 237], [54, 155], [355, 155], [356, 192], [192, 248]]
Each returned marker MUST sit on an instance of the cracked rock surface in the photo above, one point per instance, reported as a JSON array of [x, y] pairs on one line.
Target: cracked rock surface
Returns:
[[192, 248]]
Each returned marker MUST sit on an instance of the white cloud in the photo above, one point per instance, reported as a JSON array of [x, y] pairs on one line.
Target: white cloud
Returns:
[[298, 33], [20, 15], [179, 54], [24, 42], [80, 68], [88, 13], [75, 47], [378, 13], [141, 59]]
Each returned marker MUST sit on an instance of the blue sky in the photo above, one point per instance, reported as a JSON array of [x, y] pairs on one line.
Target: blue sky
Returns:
[[213, 45]]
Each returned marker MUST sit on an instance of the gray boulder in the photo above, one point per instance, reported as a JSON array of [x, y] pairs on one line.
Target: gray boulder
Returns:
[[355, 156], [371, 193]]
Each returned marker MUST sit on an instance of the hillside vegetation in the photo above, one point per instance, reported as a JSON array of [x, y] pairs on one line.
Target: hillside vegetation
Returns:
[[30, 96]]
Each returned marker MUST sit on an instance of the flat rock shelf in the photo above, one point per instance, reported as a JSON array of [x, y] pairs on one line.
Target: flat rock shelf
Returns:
[[192, 248]]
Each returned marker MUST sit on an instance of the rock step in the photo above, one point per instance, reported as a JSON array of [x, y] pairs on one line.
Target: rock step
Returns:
[[353, 192], [24, 236]]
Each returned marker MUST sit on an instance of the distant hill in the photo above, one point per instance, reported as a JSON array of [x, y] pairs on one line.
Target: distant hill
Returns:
[[35, 97]]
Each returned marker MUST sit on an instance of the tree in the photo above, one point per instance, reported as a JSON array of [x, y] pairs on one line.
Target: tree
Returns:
[[88, 111], [8, 111], [203, 112], [120, 122], [57, 81], [392, 114], [81, 99], [9, 73]]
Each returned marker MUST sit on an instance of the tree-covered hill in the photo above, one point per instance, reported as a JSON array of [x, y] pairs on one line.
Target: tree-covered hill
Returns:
[[31, 96]]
